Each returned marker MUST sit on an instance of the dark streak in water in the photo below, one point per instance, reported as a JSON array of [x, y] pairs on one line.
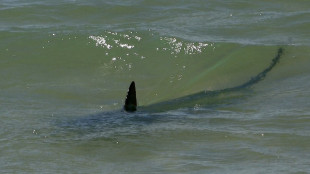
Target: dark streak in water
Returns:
[[195, 98]]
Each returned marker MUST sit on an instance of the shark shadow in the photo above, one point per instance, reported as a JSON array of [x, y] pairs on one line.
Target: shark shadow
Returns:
[[131, 118]]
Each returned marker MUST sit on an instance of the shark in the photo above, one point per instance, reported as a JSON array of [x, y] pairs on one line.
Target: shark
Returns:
[[131, 105], [131, 117]]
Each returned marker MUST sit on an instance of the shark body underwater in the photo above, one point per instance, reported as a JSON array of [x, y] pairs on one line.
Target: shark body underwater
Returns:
[[131, 99], [114, 122]]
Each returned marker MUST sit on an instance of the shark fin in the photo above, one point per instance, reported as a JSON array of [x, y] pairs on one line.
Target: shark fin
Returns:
[[131, 100]]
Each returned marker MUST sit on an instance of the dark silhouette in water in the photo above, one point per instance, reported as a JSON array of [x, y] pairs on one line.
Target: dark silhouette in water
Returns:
[[131, 101]]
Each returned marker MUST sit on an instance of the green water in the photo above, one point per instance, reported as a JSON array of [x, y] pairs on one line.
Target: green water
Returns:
[[65, 67]]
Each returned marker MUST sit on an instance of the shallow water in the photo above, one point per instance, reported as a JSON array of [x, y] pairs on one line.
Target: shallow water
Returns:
[[66, 65]]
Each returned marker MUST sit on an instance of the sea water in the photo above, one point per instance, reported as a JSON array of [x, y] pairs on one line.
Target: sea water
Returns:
[[66, 65]]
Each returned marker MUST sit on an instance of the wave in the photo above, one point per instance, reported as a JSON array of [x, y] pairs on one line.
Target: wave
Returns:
[[88, 68]]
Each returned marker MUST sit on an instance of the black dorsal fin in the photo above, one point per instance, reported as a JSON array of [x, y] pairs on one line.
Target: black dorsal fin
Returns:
[[131, 100]]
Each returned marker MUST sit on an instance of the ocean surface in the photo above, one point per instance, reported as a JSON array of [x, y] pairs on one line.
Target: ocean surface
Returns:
[[66, 65]]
